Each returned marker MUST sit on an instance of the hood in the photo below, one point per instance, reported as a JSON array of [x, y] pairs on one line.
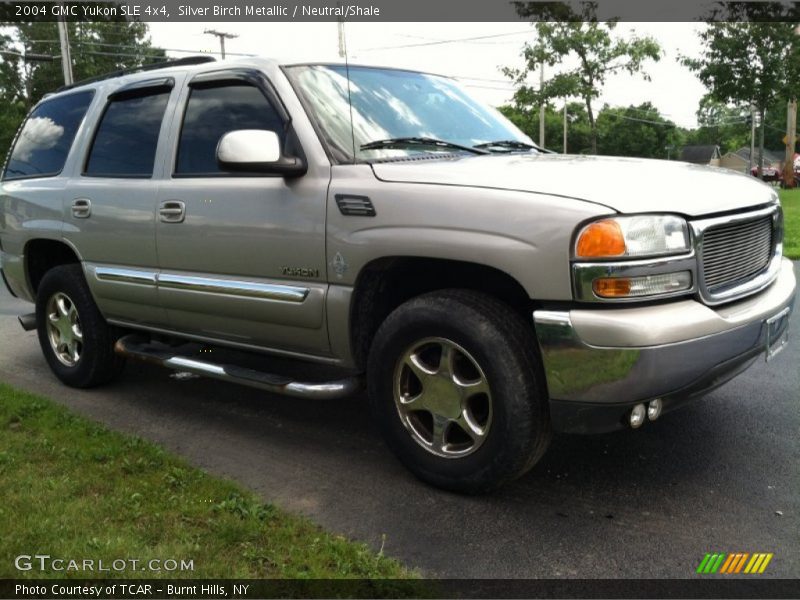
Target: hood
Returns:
[[626, 185]]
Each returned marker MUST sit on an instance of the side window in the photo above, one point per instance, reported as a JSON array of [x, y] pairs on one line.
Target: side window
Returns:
[[126, 139], [212, 112], [44, 141]]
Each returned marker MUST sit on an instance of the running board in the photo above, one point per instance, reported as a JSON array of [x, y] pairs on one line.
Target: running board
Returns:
[[134, 346], [28, 322]]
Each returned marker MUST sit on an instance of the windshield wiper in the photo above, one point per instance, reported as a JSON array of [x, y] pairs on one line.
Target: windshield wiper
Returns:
[[510, 145], [405, 142]]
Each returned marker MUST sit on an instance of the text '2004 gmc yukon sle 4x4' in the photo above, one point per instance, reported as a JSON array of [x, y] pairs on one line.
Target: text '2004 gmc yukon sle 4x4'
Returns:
[[385, 223]]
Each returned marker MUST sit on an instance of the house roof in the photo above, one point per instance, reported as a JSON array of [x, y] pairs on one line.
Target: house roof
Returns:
[[770, 157], [699, 154]]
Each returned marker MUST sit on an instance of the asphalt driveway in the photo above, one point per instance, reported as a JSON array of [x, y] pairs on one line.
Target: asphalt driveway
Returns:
[[720, 475]]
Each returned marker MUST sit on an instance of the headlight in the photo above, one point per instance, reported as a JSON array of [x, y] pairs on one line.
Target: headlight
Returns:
[[635, 236]]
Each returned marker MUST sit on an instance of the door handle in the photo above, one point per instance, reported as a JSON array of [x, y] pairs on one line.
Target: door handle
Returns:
[[81, 208], [172, 211]]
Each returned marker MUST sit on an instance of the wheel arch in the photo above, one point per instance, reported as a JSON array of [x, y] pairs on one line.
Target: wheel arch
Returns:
[[387, 282], [42, 254]]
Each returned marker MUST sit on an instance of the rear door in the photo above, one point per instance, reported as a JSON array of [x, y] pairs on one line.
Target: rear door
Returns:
[[242, 256], [110, 204], [35, 177]]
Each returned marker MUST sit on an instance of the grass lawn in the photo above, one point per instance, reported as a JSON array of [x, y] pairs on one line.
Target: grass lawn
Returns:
[[790, 199], [75, 490]]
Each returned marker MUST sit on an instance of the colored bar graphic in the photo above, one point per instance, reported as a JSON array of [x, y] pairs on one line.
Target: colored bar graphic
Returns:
[[766, 562], [735, 562], [728, 562], [718, 563], [752, 563], [741, 562], [701, 568]]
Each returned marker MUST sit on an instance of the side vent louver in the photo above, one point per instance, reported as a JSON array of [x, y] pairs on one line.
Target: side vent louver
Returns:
[[355, 206]]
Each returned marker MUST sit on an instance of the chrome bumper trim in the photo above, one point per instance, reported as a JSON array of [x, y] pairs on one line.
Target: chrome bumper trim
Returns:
[[579, 372]]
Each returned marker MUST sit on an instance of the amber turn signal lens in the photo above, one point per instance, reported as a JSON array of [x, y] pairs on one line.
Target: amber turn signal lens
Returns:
[[612, 287], [601, 239], [645, 285]]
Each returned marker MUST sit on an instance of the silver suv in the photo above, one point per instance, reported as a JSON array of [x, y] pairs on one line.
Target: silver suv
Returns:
[[384, 223]]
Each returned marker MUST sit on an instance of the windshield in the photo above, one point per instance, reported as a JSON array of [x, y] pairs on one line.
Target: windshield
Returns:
[[390, 104]]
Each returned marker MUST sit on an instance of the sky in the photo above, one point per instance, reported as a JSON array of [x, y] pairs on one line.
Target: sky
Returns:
[[674, 90]]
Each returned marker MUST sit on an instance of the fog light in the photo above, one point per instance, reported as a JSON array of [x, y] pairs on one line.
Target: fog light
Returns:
[[654, 409], [637, 416], [647, 285]]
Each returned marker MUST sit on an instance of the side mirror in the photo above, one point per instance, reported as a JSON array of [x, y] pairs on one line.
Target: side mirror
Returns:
[[256, 151]]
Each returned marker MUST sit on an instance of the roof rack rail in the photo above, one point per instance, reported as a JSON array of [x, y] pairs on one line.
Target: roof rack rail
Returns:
[[178, 62]]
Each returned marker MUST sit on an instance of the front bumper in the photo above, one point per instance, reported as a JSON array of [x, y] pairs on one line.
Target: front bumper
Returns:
[[600, 362]]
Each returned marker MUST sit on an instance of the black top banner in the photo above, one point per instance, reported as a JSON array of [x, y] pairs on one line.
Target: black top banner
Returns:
[[399, 10]]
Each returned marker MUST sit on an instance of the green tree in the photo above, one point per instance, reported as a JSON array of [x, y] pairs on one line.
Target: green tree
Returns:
[[636, 131], [720, 125], [97, 48], [749, 63], [579, 38], [578, 132]]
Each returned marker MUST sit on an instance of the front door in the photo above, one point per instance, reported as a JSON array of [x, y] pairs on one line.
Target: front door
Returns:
[[242, 257], [110, 203]]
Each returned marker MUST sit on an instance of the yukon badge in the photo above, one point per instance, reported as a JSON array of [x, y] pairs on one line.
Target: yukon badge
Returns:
[[299, 272]]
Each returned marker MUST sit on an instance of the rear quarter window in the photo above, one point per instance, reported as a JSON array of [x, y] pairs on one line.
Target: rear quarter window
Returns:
[[44, 141]]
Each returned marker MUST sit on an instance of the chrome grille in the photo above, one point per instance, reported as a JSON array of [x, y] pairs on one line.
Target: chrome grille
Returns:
[[735, 252]]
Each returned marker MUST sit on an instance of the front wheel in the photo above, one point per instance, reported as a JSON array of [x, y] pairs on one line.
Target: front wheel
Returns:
[[455, 386], [76, 341]]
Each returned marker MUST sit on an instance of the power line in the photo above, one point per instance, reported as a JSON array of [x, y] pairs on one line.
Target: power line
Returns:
[[662, 123], [132, 47], [464, 77], [488, 87], [449, 41]]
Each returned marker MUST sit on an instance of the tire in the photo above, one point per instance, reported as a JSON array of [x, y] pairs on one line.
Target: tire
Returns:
[[495, 372], [76, 341]]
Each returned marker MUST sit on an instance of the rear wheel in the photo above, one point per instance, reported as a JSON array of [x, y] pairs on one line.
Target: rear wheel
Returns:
[[76, 341], [455, 387]]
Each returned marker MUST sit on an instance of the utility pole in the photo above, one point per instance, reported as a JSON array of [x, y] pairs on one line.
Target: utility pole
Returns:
[[541, 107], [762, 121], [66, 57], [565, 126], [791, 128], [340, 26], [752, 138], [222, 37]]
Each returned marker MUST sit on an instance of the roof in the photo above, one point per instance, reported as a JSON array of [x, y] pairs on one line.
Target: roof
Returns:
[[699, 154], [179, 62], [769, 156], [200, 64]]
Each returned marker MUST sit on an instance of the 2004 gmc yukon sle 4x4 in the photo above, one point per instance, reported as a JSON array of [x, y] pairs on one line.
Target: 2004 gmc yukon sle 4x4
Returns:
[[384, 222]]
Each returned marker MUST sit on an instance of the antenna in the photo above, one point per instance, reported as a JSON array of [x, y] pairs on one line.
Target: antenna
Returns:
[[343, 50]]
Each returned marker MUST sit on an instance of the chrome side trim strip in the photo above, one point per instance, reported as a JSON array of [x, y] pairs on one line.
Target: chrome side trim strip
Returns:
[[248, 289], [125, 275]]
